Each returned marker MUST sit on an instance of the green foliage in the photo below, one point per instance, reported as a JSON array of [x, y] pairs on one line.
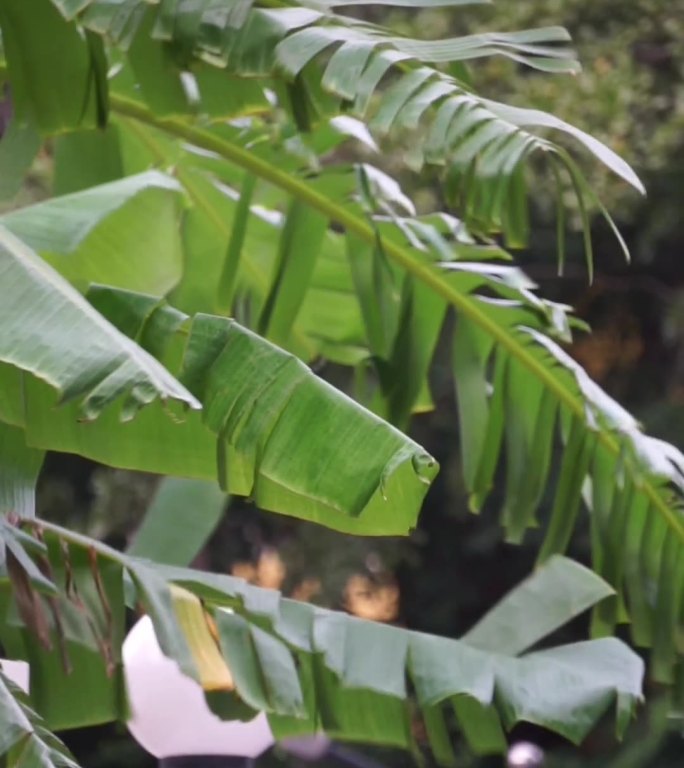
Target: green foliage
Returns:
[[629, 90], [158, 313], [179, 521], [311, 668], [25, 740], [32, 48]]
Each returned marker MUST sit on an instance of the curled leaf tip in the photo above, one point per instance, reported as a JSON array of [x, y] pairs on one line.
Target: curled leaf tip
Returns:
[[425, 467]]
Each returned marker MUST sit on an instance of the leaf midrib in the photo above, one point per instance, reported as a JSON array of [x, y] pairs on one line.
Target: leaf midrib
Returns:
[[464, 303]]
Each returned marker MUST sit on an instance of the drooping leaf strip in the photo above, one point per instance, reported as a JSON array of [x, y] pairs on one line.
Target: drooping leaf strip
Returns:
[[313, 669], [484, 145], [598, 423], [25, 740]]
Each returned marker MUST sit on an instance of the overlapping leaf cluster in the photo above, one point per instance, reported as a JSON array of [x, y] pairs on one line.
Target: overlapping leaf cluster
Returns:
[[307, 667], [516, 388], [316, 61], [206, 222], [257, 403]]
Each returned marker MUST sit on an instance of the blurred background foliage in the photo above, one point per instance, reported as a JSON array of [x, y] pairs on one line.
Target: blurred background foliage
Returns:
[[630, 94]]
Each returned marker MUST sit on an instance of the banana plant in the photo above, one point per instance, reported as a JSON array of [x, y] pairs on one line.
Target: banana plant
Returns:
[[308, 668], [219, 223]]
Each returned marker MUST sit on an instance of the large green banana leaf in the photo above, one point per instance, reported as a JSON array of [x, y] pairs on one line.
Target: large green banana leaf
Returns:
[[109, 234], [550, 394], [269, 428], [324, 261], [494, 350], [50, 331], [311, 668], [518, 391]]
